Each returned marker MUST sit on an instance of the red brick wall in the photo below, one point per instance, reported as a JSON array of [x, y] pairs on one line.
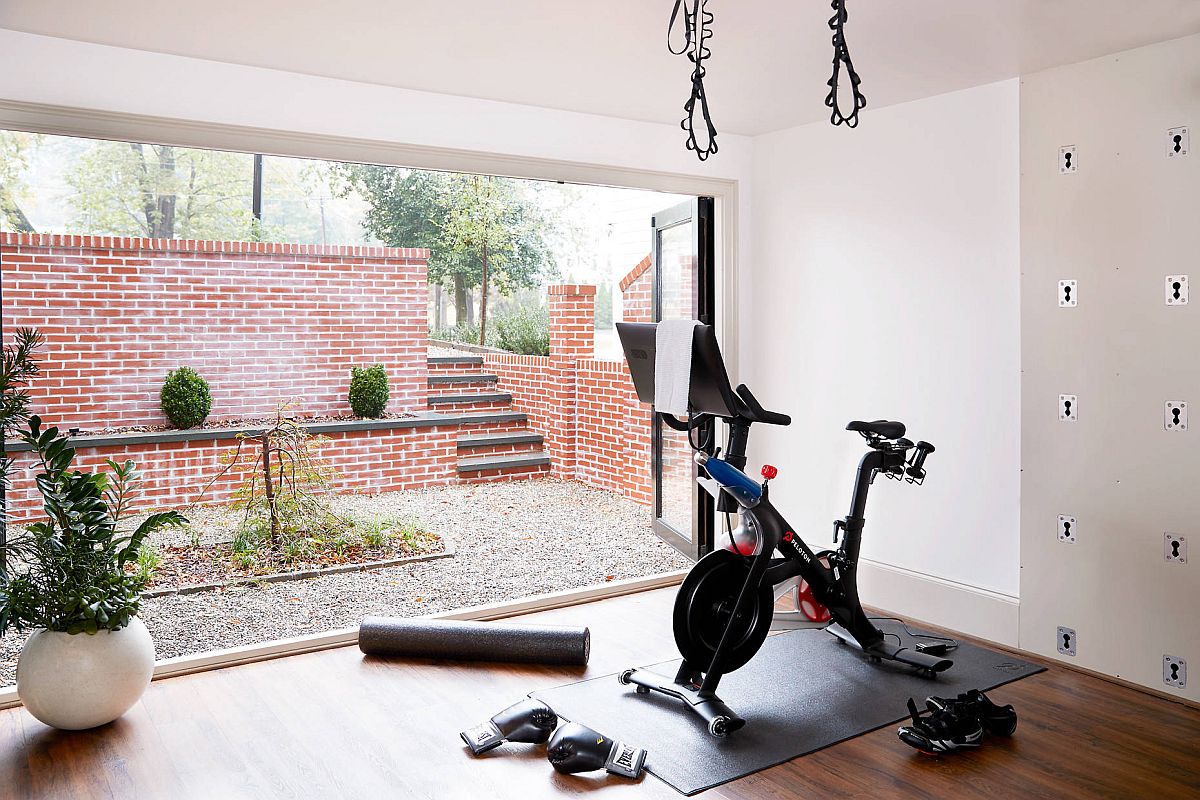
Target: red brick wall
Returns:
[[572, 337], [531, 382], [262, 322], [173, 473], [637, 293], [612, 445], [595, 429]]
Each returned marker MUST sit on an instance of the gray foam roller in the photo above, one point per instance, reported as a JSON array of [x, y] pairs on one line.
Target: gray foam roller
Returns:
[[475, 641]]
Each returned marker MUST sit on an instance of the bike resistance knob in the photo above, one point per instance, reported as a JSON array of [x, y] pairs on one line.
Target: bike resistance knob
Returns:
[[769, 472]]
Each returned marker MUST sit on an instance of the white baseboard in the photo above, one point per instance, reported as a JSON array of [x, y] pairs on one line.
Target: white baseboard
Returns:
[[978, 612]]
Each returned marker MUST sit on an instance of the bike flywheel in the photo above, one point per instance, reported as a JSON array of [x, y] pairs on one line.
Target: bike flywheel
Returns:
[[704, 610]]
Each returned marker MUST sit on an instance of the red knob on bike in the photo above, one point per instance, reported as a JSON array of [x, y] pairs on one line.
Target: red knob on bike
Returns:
[[769, 472]]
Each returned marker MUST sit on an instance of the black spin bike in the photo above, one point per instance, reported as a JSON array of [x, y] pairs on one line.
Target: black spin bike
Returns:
[[726, 604]]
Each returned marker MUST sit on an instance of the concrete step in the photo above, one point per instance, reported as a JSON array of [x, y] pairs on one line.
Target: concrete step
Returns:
[[470, 399], [498, 439], [467, 377], [455, 361], [485, 419], [504, 462]]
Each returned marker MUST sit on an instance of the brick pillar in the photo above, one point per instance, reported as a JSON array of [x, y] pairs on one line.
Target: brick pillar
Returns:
[[572, 337]]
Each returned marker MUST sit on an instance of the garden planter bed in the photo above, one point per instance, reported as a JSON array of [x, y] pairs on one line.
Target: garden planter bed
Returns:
[[233, 425], [188, 561]]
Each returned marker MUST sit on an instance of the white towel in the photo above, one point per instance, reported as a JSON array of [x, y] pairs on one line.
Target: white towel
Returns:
[[673, 365]]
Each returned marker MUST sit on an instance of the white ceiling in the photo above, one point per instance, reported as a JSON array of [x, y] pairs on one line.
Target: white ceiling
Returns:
[[770, 61]]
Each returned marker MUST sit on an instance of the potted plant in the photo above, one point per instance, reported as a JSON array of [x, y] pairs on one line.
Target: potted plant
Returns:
[[89, 658]]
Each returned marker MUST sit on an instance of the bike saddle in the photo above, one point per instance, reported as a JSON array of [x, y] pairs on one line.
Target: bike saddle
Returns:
[[880, 427]]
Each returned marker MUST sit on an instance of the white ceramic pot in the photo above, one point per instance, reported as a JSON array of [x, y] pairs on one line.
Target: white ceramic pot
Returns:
[[77, 681]]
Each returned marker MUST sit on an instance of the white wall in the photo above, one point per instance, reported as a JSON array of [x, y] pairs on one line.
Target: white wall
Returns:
[[885, 285], [1119, 225]]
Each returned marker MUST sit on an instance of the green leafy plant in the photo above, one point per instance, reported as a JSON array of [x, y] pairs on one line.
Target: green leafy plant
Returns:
[[369, 391], [185, 398], [148, 560], [375, 533], [17, 368], [70, 572], [525, 331]]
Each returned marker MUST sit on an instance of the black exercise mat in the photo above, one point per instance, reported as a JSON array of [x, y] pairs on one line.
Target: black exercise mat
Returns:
[[803, 691]]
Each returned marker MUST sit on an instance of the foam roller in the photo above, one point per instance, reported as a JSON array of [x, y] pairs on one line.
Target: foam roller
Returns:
[[475, 641]]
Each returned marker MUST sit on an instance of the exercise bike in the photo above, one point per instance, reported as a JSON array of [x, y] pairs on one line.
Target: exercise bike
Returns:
[[726, 604]]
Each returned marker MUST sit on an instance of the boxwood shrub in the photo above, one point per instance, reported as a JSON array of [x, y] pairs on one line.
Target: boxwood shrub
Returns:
[[185, 398], [368, 391]]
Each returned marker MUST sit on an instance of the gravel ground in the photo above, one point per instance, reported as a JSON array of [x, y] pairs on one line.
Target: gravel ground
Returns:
[[512, 540]]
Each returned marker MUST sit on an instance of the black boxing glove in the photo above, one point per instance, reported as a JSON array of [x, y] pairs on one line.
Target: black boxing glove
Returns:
[[574, 748], [529, 721]]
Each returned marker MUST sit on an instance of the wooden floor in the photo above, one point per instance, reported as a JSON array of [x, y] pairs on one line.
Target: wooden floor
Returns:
[[335, 724]]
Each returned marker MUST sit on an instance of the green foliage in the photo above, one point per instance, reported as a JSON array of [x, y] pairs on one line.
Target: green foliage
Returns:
[[325, 539], [374, 533], [185, 398], [604, 306], [464, 334], [463, 220], [148, 560], [368, 391], [130, 189], [17, 368], [14, 161], [525, 331], [71, 575], [283, 493]]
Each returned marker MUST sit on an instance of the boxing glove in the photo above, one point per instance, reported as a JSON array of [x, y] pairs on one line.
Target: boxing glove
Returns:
[[530, 721], [574, 748]]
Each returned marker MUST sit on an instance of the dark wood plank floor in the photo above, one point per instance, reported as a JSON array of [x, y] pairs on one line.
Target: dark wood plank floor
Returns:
[[335, 724]]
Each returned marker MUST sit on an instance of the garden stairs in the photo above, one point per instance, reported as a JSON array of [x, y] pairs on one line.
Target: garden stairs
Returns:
[[496, 442]]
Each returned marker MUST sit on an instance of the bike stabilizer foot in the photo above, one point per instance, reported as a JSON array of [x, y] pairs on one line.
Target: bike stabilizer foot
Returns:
[[884, 650], [720, 718]]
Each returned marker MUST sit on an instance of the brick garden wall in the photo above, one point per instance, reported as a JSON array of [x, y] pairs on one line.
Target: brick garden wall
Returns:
[[595, 430], [173, 473], [637, 293], [262, 322], [612, 448]]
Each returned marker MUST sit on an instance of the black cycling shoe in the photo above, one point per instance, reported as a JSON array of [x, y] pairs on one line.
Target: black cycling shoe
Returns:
[[940, 730], [996, 720]]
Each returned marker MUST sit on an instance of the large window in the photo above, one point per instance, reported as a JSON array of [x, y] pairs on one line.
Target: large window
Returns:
[[426, 359]]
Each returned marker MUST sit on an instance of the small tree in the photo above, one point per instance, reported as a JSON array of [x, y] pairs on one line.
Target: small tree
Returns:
[[185, 398], [368, 391], [286, 479]]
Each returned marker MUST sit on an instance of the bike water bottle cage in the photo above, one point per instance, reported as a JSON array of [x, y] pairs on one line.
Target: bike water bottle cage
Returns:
[[744, 489]]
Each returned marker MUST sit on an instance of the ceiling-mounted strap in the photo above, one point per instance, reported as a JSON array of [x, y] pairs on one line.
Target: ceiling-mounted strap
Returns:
[[841, 55], [697, 30]]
